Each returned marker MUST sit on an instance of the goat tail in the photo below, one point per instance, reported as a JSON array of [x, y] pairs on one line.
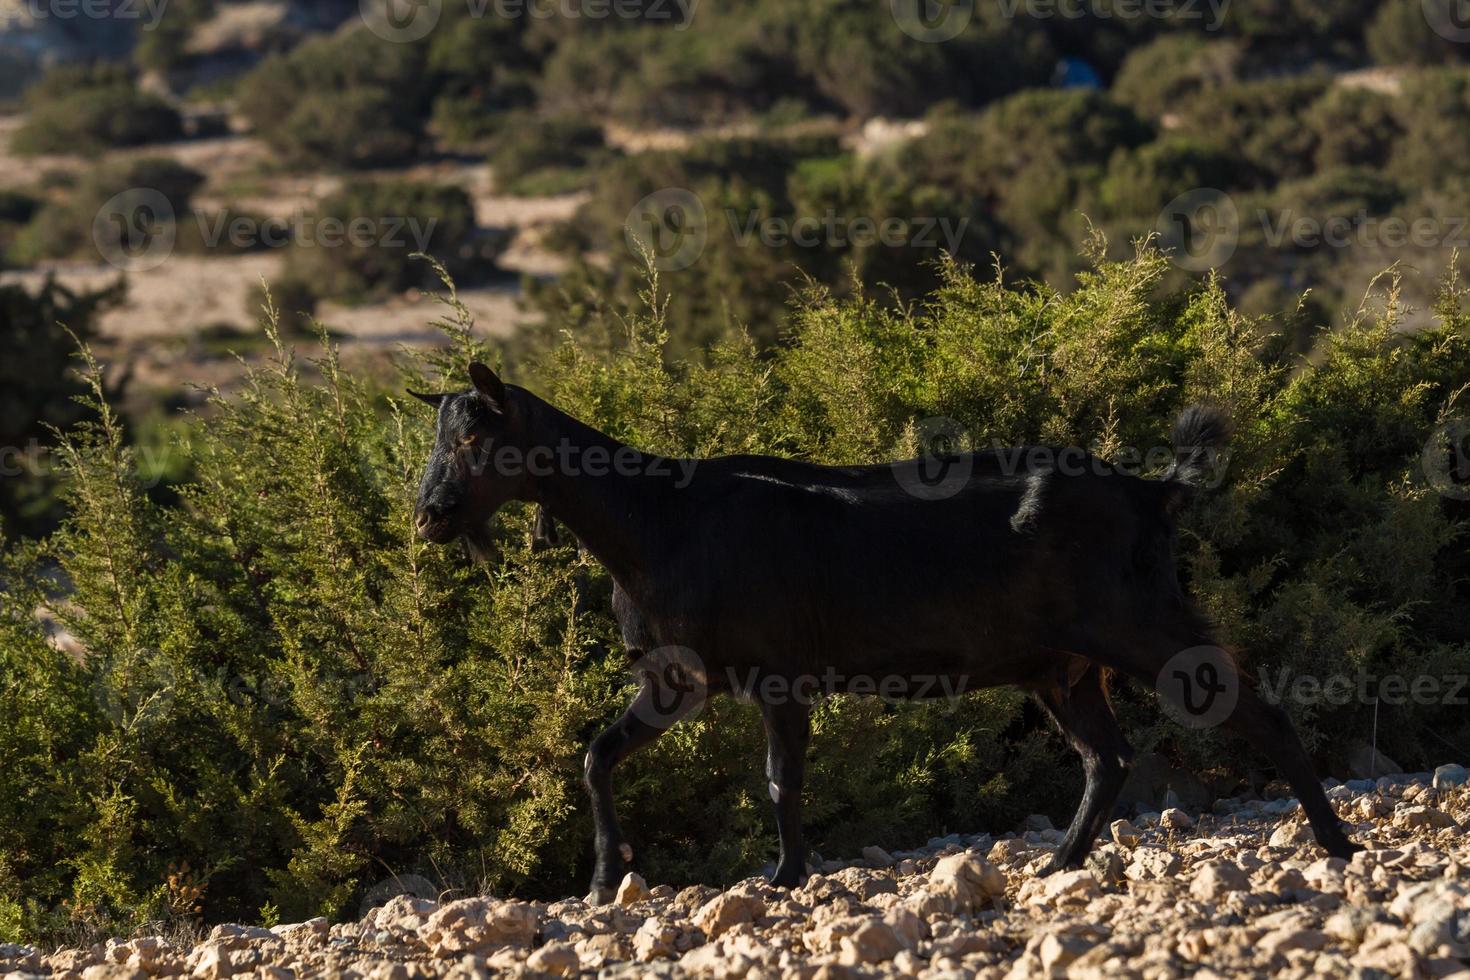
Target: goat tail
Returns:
[[1201, 434]]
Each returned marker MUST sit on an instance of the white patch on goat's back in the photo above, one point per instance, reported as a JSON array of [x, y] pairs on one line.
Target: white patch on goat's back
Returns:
[[844, 495], [1028, 511]]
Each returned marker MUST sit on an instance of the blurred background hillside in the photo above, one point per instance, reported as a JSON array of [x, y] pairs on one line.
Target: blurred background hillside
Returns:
[[200, 145]]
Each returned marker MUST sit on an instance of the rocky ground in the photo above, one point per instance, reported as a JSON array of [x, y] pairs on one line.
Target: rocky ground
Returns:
[[1240, 891]]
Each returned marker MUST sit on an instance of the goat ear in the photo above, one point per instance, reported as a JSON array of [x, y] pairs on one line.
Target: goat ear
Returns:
[[428, 399], [490, 387]]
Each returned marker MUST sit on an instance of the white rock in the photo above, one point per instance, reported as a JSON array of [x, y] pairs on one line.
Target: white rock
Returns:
[[477, 925], [1292, 834], [1422, 818], [873, 941], [556, 958], [654, 940], [632, 889], [727, 910], [969, 881], [1175, 819], [1070, 887], [1124, 833], [1450, 776], [400, 915], [1213, 879], [1152, 862]]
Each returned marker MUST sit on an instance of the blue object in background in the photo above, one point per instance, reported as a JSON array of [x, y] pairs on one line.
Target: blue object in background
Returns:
[[1075, 73]]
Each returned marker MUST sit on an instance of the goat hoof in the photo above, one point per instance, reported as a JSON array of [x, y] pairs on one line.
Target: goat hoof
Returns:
[[1344, 849], [601, 895], [787, 878], [1058, 863]]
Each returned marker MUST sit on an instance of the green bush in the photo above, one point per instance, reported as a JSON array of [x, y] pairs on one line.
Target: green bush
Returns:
[[163, 45], [349, 99], [1141, 181], [362, 239], [16, 211], [74, 224], [776, 211], [1260, 123], [1401, 34], [288, 694], [1327, 21], [479, 68], [533, 154], [863, 66], [89, 109], [38, 393], [1158, 77], [1354, 127], [1032, 163], [1434, 113], [740, 59]]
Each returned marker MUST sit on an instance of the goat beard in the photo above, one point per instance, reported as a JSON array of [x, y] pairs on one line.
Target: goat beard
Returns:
[[479, 546]]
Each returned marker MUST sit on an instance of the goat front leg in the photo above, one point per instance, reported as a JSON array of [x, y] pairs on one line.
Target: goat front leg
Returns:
[[654, 711], [788, 732]]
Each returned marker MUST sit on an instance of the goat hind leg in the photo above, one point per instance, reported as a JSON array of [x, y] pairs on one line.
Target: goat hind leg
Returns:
[[788, 732], [1086, 718], [1201, 686], [1267, 727]]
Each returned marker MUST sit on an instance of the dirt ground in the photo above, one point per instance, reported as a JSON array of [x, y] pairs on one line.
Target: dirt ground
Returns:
[[1240, 891]]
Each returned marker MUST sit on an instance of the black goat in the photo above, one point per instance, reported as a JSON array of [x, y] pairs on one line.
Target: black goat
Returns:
[[775, 578]]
